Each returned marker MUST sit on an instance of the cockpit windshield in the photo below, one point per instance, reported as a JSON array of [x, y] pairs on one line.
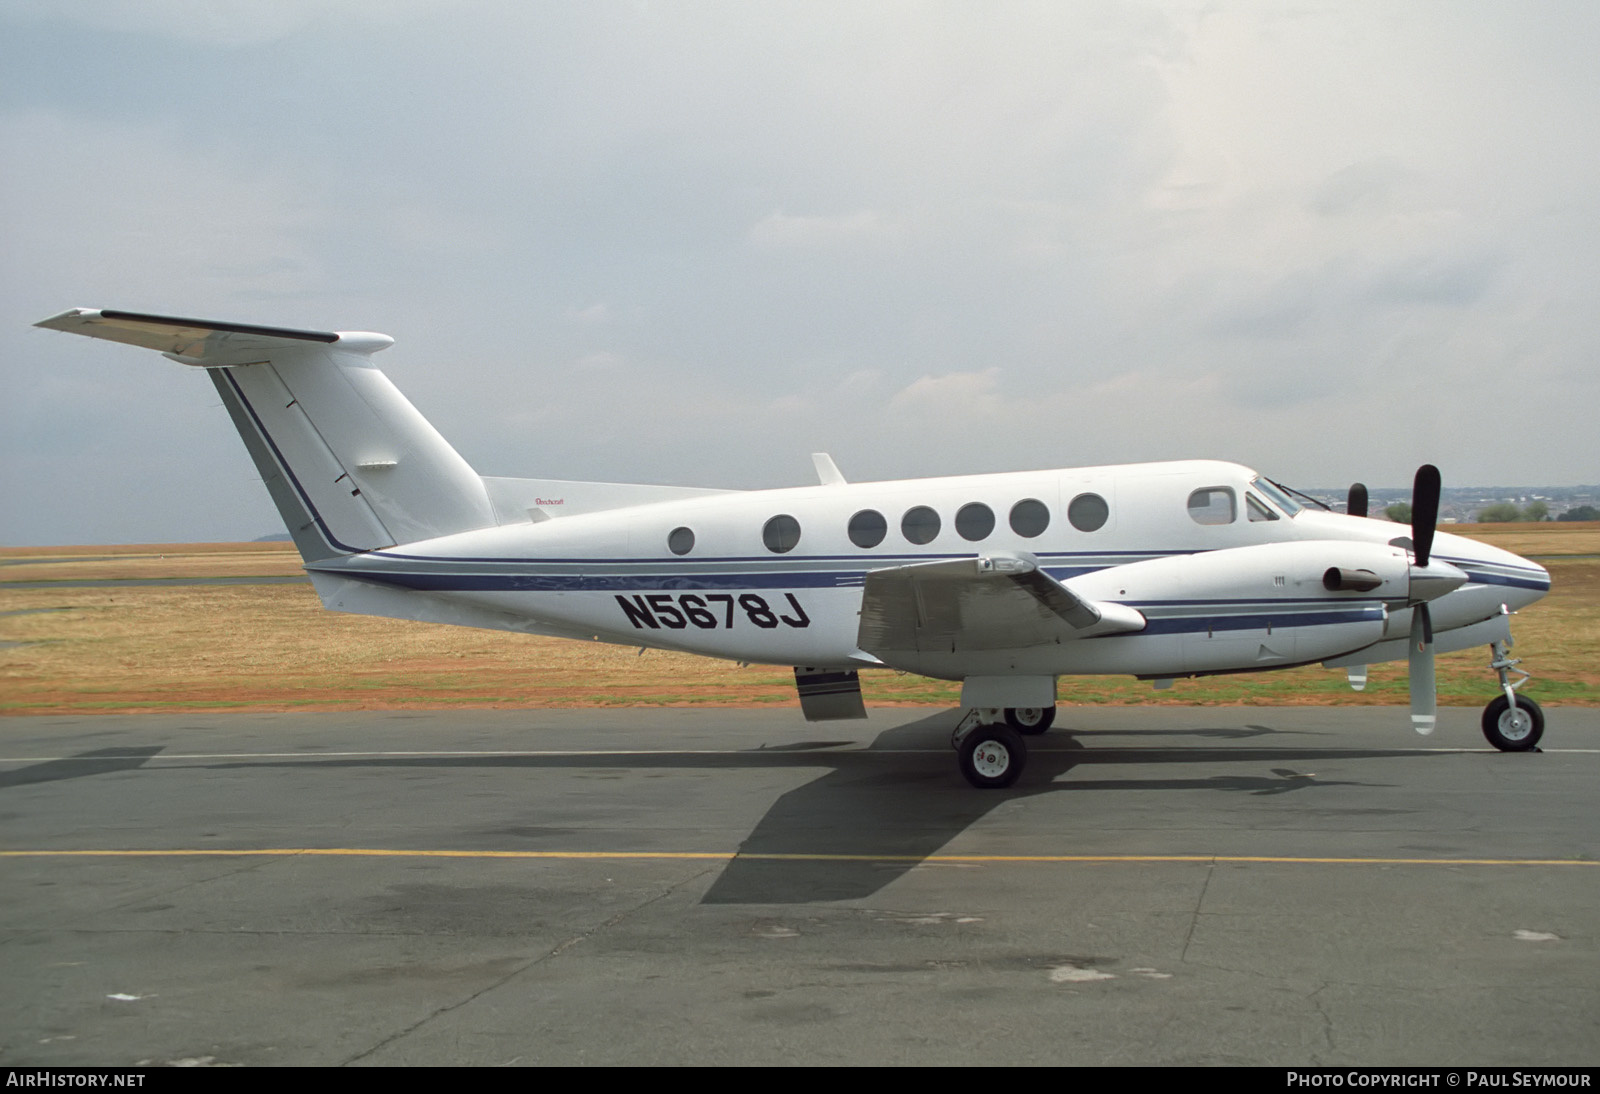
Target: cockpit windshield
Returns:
[[1278, 497]]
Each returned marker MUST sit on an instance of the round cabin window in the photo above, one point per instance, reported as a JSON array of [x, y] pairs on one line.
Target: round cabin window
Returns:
[[1088, 512], [974, 521], [781, 534], [1030, 517], [867, 528], [920, 525]]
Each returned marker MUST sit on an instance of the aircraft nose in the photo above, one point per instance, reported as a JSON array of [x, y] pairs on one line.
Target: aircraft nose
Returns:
[[1531, 583], [1542, 577]]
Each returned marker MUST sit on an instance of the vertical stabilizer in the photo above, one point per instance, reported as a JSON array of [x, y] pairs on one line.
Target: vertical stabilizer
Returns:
[[348, 460]]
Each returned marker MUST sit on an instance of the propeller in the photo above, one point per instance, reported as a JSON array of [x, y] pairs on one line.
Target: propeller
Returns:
[[1424, 693], [1424, 511], [1424, 517], [1356, 506]]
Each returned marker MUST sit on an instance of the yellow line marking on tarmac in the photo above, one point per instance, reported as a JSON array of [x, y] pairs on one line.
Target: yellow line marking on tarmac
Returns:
[[728, 856]]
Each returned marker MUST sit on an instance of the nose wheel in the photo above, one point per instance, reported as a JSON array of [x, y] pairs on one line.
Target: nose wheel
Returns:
[[1512, 723], [1513, 728]]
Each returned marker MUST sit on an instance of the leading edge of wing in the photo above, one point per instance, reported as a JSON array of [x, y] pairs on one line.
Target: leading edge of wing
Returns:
[[996, 601]]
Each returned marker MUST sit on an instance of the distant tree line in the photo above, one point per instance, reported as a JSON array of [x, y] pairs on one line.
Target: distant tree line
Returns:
[[1506, 513], [1503, 513]]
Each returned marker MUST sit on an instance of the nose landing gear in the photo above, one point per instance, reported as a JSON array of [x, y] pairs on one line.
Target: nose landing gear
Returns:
[[1510, 723]]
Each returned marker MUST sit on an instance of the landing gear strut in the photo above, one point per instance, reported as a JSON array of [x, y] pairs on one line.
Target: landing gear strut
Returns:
[[1510, 723], [990, 752]]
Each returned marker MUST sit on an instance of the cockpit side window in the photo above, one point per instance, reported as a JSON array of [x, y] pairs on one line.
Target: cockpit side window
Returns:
[[1213, 505], [1258, 509]]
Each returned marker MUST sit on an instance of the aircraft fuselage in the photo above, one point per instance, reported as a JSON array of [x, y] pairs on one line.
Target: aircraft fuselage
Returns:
[[1228, 572]]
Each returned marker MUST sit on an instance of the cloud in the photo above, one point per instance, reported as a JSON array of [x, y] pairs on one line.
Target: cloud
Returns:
[[1368, 187], [698, 242], [952, 398], [225, 23], [866, 226], [139, 213]]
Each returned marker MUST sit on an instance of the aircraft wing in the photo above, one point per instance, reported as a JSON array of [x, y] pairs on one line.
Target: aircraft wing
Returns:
[[997, 601]]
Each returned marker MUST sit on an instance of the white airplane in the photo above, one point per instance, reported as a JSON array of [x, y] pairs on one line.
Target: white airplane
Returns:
[[1003, 582]]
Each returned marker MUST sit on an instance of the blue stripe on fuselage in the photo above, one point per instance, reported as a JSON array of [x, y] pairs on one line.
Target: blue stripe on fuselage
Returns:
[[1205, 615], [571, 583], [1514, 581]]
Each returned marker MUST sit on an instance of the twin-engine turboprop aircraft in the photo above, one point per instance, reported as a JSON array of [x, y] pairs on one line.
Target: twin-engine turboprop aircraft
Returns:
[[1003, 582]]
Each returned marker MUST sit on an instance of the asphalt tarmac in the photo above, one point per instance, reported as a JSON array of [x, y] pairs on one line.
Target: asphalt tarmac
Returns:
[[1290, 886]]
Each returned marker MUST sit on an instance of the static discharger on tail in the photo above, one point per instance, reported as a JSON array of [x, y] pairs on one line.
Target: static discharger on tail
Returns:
[[1003, 582]]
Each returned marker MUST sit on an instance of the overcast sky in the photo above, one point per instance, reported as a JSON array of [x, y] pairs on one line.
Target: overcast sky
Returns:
[[693, 243]]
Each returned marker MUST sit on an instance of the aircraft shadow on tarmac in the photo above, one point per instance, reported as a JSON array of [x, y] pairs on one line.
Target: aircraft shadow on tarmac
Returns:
[[906, 811], [875, 814], [100, 761]]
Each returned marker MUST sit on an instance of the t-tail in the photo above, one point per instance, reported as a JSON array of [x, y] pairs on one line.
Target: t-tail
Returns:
[[349, 462]]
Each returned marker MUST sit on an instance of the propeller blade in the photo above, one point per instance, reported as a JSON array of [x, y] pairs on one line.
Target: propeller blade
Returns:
[[1424, 694], [1356, 506], [1424, 511]]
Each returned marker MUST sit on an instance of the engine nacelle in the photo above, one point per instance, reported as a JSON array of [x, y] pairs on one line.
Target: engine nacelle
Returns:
[[1248, 608]]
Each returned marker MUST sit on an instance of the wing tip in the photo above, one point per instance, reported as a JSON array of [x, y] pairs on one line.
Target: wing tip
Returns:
[[65, 320]]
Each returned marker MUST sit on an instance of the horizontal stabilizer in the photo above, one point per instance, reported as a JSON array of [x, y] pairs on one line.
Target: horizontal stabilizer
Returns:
[[205, 341], [997, 601]]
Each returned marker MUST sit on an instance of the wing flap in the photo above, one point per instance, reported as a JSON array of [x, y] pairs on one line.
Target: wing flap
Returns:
[[997, 601]]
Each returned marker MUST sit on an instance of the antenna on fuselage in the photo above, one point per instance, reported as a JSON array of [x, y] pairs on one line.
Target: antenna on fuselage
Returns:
[[827, 471]]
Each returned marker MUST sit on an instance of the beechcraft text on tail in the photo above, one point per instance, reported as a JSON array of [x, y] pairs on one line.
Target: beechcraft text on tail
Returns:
[[1004, 582]]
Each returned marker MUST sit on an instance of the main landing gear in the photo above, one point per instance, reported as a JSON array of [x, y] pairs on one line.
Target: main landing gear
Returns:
[[989, 745], [1030, 721], [1511, 723]]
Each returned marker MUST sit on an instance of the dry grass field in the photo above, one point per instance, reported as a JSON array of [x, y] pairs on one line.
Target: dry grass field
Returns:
[[77, 649]]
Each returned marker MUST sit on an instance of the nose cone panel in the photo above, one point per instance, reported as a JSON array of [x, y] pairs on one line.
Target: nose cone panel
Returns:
[[1517, 581]]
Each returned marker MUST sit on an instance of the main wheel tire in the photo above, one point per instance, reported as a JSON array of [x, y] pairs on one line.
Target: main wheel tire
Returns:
[[1511, 730], [1030, 720], [992, 757]]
